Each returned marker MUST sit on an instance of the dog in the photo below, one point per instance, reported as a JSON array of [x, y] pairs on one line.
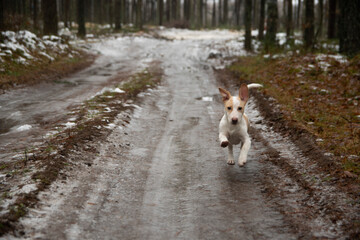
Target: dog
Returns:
[[234, 125]]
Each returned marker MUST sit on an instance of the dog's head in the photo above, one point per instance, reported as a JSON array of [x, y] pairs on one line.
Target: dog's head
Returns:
[[235, 105]]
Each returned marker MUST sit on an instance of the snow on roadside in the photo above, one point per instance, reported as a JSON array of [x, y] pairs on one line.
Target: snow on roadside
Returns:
[[23, 47]]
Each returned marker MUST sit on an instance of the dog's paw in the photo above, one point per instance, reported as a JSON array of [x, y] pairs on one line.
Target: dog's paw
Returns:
[[224, 144], [231, 162], [241, 163]]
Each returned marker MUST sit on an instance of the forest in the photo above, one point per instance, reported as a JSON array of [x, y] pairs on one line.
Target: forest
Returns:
[[316, 21]]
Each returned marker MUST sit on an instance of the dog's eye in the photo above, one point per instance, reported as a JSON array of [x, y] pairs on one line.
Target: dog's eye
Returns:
[[229, 108], [239, 108]]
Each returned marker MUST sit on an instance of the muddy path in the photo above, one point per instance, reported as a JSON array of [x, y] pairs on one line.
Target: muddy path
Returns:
[[164, 175]]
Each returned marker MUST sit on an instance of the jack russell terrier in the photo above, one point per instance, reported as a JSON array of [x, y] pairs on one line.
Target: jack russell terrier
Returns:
[[234, 125]]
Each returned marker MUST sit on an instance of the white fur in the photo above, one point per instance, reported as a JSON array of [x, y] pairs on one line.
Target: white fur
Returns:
[[232, 134]]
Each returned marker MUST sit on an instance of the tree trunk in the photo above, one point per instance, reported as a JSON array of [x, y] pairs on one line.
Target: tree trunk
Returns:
[[349, 27], [332, 19], [200, 13], [35, 14], [118, 11], [2, 25], [254, 16], [139, 20], [167, 12], [81, 18], [50, 17], [289, 25], [213, 15], [173, 9], [262, 20], [298, 16], [219, 11], [66, 12], [272, 19], [225, 14], [321, 18], [161, 11], [309, 24], [247, 21]]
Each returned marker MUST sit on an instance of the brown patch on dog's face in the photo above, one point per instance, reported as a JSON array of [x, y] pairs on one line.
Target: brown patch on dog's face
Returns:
[[229, 104]]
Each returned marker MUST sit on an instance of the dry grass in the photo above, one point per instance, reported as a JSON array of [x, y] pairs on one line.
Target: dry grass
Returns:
[[325, 103]]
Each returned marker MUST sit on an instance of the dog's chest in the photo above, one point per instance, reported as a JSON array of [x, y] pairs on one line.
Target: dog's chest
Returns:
[[235, 136]]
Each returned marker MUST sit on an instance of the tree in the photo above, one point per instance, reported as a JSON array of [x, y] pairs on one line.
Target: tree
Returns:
[[213, 15], [118, 12], [161, 11], [262, 20], [332, 19], [237, 12], [66, 12], [50, 20], [139, 20], [200, 13], [349, 27], [272, 19], [321, 18], [226, 10], [81, 17], [289, 20], [309, 23], [247, 21], [2, 26], [298, 15]]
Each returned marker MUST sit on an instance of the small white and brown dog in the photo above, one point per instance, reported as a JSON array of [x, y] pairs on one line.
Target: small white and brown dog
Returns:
[[234, 125]]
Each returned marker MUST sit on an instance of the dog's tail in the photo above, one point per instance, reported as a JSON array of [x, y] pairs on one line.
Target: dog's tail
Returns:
[[254, 85]]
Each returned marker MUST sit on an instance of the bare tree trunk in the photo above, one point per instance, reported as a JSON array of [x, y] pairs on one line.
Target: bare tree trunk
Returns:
[[161, 11], [35, 14], [254, 16], [298, 16], [272, 19], [289, 24], [81, 17], [309, 23], [262, 20], [139, 16], [200, 13], [213, 15], [220, 15], [50, 17], [349, 27], [226, 11], [332, 19], [2, 25], [321, 19], [66, 12], [118, 12], [247, 21], [167, 12]]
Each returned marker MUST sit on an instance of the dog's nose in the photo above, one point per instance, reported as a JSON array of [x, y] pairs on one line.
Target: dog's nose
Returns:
[[234, 120]]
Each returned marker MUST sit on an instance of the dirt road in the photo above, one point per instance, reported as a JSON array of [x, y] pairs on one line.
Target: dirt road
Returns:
[[164, 175]]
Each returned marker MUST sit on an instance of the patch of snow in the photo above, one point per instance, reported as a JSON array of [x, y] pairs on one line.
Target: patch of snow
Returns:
[[24, 128], [69, 124], [28, 188], [46, 55]]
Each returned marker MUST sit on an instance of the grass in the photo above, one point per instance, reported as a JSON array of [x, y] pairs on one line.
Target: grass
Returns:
[[325, 103]]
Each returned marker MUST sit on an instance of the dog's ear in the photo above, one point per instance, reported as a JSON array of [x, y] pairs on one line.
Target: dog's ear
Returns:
[[244, 92], [225, 94]]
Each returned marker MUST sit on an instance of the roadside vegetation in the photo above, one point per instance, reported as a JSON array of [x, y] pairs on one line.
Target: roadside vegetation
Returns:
[[318, 92]]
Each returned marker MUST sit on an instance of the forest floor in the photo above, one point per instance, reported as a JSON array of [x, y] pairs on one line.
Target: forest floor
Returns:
[[128, 146]]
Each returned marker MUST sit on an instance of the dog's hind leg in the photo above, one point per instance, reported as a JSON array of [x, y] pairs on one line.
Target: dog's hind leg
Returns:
[[230, 160], [244, 151]]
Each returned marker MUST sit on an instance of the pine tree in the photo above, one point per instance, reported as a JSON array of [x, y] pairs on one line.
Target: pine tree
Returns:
[[309, 23], [247, 21], [50, 19]]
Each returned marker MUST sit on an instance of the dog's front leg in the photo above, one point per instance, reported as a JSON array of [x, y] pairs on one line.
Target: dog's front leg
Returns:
[[230, 160], [223, 140], [244, 150]]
